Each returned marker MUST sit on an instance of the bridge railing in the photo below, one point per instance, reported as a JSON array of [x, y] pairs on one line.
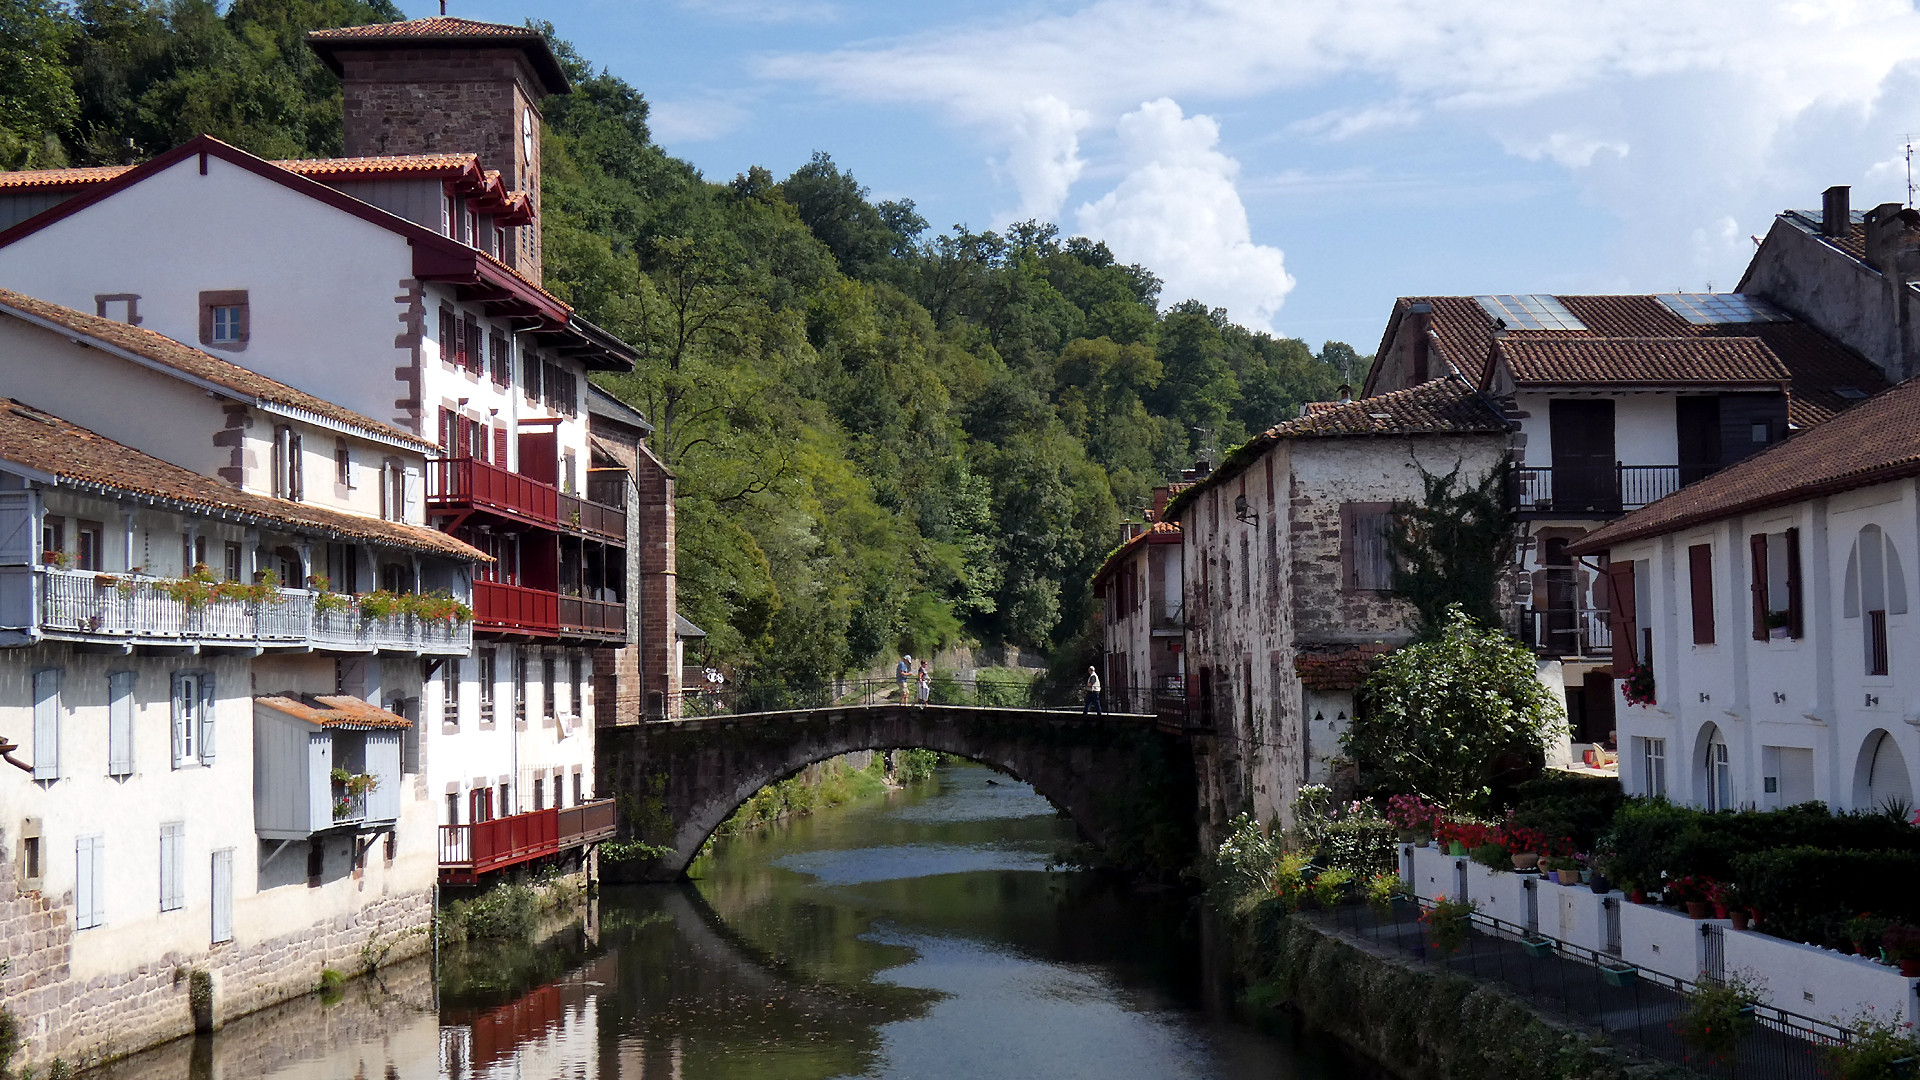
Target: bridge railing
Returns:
[[735, 700]]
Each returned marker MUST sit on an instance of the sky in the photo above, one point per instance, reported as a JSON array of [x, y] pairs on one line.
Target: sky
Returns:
[[1300, 163]]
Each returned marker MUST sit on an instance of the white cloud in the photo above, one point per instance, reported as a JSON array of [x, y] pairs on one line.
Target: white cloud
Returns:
[[1044, 160], [1177, 211], [764, 11], [1575, 150], [1341, 124], [695, 119]]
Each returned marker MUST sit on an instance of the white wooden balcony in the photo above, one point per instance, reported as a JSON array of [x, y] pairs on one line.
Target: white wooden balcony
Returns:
[[139, 610]]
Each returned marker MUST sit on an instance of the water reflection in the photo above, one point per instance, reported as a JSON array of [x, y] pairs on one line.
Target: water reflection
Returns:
[[916, 936]]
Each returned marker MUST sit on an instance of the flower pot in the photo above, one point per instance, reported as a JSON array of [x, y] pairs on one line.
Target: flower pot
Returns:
[[1526, 860], [1408, 836], [1586, 877], [1567, 877], [1910, 966], [1423, 841], [1739, 919], [1638, 896], [1698, 909], [1621, 976], [1599, 883], [1455, 847], [1538, 949], [1719, 911]]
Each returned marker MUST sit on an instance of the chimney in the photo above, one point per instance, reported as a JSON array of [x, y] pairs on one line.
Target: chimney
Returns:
[[1162, 495], [1836, 211], [1893, 241], [1346, 394]]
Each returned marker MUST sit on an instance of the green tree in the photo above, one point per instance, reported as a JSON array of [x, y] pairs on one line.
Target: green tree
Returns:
[[1451, 548], [36, 86], [1439, 711]]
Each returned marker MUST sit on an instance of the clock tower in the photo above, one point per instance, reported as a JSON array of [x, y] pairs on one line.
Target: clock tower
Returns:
[[443, 86]]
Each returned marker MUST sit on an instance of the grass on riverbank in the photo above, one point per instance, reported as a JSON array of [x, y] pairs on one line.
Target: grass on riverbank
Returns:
[[828, 784], [505, 912]]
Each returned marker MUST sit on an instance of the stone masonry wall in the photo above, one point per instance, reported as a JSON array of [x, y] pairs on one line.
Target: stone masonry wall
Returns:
[[85, 1023]]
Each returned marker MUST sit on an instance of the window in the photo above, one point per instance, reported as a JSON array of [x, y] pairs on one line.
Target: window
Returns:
[[232, 560], [486, 685], [1700, 575], [539, 793], [520, 686], [1653, 766], [173, 850], [1246, 571], [448, 215], [193, 552], [470, 346], [393, 490], [506, 802], [286, 463], [500, 360], [120, 307], [89, 546], [222, 895], [1776, 584], [449, 337], [89, 881], [30, 868], [120, 723], [453, 808], [1364, 555], [1719, 774], [342, 463], [53, 539], [547, 672], [192, 718], [576, 703], [530, 369], [46, 724], [578, 798], [450, 692], [343, 569], [480, 804], [224, 319], [1876, 587]]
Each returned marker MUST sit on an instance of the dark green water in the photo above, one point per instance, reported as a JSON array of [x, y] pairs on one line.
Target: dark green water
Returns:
[[916, 936]]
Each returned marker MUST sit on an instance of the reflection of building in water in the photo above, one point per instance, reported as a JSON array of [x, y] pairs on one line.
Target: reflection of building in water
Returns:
[[552, 1031]]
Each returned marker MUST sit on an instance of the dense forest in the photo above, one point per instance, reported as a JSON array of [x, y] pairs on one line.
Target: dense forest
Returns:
[[885, 436]]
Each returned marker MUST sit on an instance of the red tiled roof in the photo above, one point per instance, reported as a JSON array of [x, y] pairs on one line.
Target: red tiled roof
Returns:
[[333, 710], [439, 26], [59, 178], [44, 443], [1337, 667], [319, 168], [189, 361], [1598, 361], [1873, 442], [1436, 407], [1156, 532], [440, 30]]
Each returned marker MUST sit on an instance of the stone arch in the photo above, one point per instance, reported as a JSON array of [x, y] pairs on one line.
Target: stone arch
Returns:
[[686, 777], [1880, 773]]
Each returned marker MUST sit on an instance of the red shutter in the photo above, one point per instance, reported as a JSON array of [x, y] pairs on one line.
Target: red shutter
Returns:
[[1700, 571], [473, 348], [446, 432], [1757, 545], [500, 447], [1620, 617], [1795, 628]]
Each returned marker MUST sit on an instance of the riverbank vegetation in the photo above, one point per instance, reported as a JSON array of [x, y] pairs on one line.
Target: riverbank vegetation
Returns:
[[510, 911], [885, 437], [828, 784]]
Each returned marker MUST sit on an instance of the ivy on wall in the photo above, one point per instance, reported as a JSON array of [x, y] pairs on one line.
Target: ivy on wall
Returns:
[[1453, 546]]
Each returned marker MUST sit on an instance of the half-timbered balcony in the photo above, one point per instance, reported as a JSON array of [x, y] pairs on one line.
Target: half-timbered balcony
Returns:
[[1593, 492], [85, 605]]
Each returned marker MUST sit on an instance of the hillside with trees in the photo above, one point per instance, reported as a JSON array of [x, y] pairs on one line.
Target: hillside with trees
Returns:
[[885, 436]]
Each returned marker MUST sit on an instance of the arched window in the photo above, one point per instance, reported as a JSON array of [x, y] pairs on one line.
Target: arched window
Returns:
[[1875, 589], [1716, 765], [1881, 778]]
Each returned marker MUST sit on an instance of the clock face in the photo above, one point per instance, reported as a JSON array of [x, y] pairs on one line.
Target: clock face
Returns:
[[526, 133]]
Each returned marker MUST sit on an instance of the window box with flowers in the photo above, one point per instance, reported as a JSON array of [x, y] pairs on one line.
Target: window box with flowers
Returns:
[[350, 793], [1637, 687]]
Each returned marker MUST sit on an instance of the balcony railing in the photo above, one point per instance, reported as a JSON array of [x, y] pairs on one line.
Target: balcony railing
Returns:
[[1582, 491], [587, 823], [516, 609], [465, 481], [599, 617], [1567, 631], [140, 609], [467, 851]]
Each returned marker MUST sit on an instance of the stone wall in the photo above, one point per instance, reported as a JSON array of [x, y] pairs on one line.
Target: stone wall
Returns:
[[85, 1023]]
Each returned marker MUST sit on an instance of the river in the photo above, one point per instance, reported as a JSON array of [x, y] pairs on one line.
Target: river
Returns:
[[921, 935]]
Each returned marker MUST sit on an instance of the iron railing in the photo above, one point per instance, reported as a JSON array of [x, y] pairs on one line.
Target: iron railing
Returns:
[[137, 608], [1627, 1003], [1567, 631], [1598, 490], [729, 699]]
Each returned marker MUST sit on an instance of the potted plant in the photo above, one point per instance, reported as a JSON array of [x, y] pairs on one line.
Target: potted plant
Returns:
[[1866, 930], [1881, 1049], [1381, 890], [1693, 892], [1414, 817], [1564, 869], [1717, 1016], [1779, 625], [1330, 886], [1637, 687], [1538, 947], [1448, 921], [1902, 943], [1619, 976], [349, 788]]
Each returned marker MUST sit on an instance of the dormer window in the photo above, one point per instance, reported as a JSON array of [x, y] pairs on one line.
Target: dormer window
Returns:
[[473, 229], [224, 319]]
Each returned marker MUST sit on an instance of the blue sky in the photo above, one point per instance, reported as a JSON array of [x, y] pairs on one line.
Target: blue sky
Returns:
[[1302, 162]]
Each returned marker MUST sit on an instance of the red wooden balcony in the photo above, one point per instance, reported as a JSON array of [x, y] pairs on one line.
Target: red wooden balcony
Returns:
[[593, 519], [501, 607], [587, 823], [468, 483], [467, 851], [597, 618]]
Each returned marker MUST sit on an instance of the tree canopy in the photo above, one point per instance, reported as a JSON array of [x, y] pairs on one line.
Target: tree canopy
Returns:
[[883, 436]]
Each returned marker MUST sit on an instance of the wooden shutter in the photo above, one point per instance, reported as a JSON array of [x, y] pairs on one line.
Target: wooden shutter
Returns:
[[1700, 575], [182, 710], [46, 724], [206, 718], [120, 723], [173, 847], [1621, 619], [500, 446], [1757, 558], [296, 482], [448, 335], [1795, 625], [89, 877], [16, 528], [223, 895]]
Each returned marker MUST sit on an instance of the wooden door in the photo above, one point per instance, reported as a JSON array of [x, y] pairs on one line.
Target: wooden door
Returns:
[[1585, 476]]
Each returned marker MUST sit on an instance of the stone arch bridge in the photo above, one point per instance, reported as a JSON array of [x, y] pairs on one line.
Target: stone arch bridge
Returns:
[[1126, 781]]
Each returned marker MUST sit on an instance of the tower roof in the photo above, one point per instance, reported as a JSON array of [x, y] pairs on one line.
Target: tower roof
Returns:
[[437, 32]]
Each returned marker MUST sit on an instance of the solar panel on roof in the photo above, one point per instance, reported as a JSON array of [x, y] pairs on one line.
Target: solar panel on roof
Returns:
[[1533, 311], [1719, 309]]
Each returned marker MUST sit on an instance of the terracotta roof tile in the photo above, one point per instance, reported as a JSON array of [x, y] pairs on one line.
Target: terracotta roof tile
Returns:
[[56, 178], [190, 361], [317, 168], [1439, 406], [1337, 667], [1156, 532], [333, 710], [439, 26], [1599, 361], [44, 443], [1875, 441]]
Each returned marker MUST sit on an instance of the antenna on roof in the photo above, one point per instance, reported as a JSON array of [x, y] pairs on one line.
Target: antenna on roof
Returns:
[[443, 7], [1909, 168]]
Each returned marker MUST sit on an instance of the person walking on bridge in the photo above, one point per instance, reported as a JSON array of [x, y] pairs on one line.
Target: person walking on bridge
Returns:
[[901, 674], [926, 683], [1093, 703]]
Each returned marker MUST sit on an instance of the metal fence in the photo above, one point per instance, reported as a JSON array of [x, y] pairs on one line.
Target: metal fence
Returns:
[[733, 700], [1630, 1005]]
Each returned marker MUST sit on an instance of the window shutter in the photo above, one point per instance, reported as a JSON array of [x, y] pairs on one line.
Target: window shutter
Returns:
[[500, 447], [1700, 573], [296, 483], [173, 842], [182, 710], [1757, 546], [46, 724], [1621, 619], [471, 346], [1795, 626], [120, 723], [222, 895], [206, 718], [89, 878]]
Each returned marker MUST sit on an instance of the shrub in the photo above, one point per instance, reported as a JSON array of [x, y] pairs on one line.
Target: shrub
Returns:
[[1360, 845], [1716, 1017], [1330, 886], [1881, 1049], [1381, 889], [1581, 808], [1448, 922], [1809, 894], [1492, 855]]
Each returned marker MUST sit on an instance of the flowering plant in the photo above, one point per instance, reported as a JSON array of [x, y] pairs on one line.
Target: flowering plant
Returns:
[[1693, 888], [1413, 813], [1638, 686]]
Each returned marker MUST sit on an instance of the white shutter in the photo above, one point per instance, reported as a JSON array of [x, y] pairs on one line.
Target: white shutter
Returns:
[[46, 724], [173, 849], [206, 718], [223, 895], [182, 715], [17, 532], [120, 723], [90, 873]]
